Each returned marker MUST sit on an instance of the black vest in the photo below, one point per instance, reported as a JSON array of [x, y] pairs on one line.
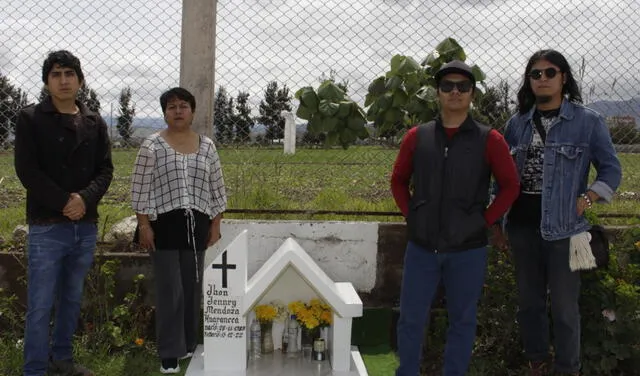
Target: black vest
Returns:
[[451, 181]]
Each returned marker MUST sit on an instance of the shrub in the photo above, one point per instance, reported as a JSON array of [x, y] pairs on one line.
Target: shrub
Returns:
[[624, 134], [610, 307]]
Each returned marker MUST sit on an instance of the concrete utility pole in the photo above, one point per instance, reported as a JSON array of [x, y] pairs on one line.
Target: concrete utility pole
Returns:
[[198, 59]]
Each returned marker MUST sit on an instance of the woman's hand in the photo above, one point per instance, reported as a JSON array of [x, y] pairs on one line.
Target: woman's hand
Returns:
[[146, 238], [214, 234]]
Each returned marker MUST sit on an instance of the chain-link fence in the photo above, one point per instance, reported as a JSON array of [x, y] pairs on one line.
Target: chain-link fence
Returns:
[[267, 50]]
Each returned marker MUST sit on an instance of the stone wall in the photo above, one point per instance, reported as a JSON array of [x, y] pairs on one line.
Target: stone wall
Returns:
[[367, 254]]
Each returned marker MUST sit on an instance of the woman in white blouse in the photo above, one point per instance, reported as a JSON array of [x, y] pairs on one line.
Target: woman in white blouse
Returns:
[[178, 195]]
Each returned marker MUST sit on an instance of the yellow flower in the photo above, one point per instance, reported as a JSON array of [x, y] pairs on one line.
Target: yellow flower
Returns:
[[139, 341], [326, 317], [266, 313], [314, 314], [295, 307], [638, 244]]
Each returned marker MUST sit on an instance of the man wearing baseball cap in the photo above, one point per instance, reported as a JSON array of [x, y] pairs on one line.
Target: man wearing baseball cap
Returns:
[[448, 162]]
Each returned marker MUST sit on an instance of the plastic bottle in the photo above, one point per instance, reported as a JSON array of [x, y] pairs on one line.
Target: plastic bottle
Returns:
[[255, 339], [285, 336], [292, 333]]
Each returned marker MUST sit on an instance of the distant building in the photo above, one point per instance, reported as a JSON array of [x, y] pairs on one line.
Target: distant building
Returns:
[[616, 121]]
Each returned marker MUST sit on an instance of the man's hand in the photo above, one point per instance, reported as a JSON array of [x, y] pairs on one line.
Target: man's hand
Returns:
[[582, 204], [75, 207], [497, 238], [214, 234]]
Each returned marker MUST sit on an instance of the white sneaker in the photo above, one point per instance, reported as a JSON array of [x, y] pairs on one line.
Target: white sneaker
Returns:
[[166, 371]]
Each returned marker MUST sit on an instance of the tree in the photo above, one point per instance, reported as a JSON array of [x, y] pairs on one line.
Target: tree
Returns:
[[243, 120], [86, 96], [223, 116], [494, 106], [332, 113], [332, 77], [406, 95], [12, 100], [275, 101], [127, 113]]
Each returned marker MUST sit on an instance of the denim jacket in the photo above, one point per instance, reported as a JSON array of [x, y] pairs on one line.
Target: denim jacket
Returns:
[[577, 139]]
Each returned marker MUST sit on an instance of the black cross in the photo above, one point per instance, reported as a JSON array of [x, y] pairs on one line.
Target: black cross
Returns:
[[224, 266]]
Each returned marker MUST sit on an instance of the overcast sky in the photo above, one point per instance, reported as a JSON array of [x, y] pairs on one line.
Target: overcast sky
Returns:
[[137, 43]]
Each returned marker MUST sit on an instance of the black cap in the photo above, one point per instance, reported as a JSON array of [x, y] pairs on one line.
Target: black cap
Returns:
[[455, 66]]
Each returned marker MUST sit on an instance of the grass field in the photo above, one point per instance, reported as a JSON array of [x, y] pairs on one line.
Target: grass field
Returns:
[[356, 180]]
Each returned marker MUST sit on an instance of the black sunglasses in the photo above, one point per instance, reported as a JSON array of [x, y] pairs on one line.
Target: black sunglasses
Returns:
[[462, 86], [536, 74]]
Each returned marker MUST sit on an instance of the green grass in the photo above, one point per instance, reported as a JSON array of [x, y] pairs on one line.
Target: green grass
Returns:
[[356, 180], [379, 360], [141, 362]]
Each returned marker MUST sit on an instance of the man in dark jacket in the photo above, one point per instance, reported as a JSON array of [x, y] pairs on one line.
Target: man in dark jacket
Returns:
[[449, 162], [63, 159]]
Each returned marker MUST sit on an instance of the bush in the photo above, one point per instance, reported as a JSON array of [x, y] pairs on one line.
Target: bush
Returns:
[[624, 134], [610, 307], [608, 347]]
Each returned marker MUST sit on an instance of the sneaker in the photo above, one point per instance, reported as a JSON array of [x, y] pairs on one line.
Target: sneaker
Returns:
[[538, 368], [169, 366], [67, 368]]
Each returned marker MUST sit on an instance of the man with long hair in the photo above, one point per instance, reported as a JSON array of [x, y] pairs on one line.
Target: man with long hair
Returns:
[[554, 141]]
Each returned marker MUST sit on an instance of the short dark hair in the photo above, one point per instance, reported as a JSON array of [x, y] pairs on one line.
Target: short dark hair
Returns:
[[570, 89], [177, 93], [64, 59]]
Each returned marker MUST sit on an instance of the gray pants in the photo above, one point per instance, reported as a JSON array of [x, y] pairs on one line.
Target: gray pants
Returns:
[[178, 298]]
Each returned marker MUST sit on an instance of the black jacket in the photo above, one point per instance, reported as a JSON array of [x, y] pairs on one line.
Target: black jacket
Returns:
[[54, 158], [451, 181]]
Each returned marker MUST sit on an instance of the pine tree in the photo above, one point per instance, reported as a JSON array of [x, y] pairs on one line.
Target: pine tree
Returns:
[[243, 120], [494, 106], [222, 119], [12, 100], [127, 112], [275, 101]]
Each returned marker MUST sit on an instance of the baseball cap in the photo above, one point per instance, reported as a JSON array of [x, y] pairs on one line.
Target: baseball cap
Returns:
[[455, 66]]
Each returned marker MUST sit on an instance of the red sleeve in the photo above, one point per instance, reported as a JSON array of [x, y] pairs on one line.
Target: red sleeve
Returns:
[[505, 172], [402, 171]]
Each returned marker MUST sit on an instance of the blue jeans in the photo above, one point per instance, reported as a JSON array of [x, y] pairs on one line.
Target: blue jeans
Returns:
[[542, 264], [59, 258], [463, 275]]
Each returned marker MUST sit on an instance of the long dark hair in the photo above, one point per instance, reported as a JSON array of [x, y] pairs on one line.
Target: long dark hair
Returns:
[[570, 89]]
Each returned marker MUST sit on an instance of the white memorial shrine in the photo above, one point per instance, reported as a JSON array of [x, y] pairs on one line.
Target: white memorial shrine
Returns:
[[290, 274]]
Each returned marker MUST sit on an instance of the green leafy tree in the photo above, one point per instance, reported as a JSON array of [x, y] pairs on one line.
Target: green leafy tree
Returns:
[[406, 95], [494, 106], [12, 100], [275, 101], [332, 76], [332, 114], [86, 96], [223, 116], [243, 120], [127, 113]]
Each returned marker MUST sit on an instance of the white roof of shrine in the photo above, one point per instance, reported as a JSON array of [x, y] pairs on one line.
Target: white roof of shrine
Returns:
[[341, 296]]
